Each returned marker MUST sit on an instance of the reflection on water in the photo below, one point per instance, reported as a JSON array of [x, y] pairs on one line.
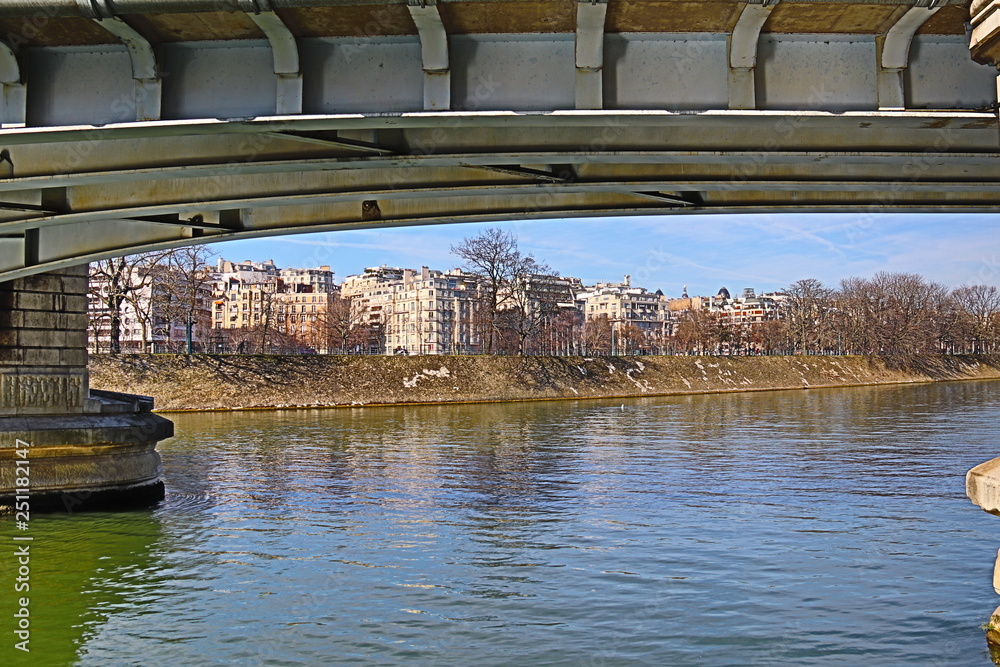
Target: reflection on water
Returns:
[[803, 527], [83, 571]]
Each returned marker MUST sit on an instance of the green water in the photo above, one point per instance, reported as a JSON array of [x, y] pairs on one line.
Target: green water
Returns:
[[810, 527]]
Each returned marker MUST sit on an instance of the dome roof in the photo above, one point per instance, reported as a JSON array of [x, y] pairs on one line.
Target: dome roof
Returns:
[[724, 293]]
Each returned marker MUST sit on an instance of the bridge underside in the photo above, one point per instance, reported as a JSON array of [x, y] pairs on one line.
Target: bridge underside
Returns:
[[133, 125], [84, 194]]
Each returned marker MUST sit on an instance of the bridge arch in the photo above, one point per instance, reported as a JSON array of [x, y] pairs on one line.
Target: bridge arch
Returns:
[[130, 125]]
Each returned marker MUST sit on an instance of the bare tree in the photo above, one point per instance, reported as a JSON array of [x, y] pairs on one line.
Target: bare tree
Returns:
[[856, 316], [807, 311], [597, 335], [340, 324], [262, 338], [265, 333], [892, 313], [769, 336], [977, 308], [143, 305], [495, 259], [658, 340], [184, 291], [629, 339], [699, 331], [95, 320], [562, 332], [533, 300], [115, 280], [908, 307], [260, 334]]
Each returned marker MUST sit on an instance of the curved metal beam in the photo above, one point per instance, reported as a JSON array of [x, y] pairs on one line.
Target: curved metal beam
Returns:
[[887, 160], [894, 54], [433, 54], [285, 54], [743, 53], [133, 195], [590, 18], [503, 216], [438, 194], [13, 101]]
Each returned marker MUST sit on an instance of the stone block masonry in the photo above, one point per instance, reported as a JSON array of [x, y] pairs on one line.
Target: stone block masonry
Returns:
[[226, 382], [61, 446], [43, 354]]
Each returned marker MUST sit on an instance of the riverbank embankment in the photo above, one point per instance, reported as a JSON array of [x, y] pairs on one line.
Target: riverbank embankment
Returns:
[[228, 382]]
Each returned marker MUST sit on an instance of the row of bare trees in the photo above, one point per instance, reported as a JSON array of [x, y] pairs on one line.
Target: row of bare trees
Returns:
[[161, 288], [890, 313], [522, 309]]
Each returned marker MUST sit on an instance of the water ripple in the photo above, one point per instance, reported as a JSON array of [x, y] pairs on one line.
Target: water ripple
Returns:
[[805, 528]]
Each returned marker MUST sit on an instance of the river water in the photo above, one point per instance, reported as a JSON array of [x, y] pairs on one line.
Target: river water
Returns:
[[814, 527]]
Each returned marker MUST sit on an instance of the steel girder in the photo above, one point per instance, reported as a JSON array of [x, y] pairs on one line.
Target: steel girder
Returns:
[[80, 194]]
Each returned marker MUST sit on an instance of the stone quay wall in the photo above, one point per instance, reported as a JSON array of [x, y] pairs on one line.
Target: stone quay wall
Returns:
[[228, 382]]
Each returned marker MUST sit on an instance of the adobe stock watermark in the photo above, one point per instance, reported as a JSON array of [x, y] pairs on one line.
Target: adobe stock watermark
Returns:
[[22, 548]]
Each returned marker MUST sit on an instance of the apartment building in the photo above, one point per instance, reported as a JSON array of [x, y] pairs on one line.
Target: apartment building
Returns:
[[747, 309], [284, 315], [417, 312], [239, 304], [685, 303], [625, 304], [545, 293], [318, 280], [301, 314], [246, 271], [370, 294]]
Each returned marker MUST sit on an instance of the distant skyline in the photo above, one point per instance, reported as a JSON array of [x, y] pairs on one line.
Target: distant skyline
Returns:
[[704, 252]]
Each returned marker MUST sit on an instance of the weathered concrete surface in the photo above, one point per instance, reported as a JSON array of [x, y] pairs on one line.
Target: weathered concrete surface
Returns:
[[982, 485], [207, 382], [81, 461], [70, 462]]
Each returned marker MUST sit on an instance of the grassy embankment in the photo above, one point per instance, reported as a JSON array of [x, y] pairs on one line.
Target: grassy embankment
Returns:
[[208, 382]]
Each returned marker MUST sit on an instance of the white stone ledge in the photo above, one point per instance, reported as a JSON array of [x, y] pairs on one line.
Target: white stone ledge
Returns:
[[982, 485]]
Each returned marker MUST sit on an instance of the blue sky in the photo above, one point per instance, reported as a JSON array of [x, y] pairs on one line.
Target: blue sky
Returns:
[[705, 252]]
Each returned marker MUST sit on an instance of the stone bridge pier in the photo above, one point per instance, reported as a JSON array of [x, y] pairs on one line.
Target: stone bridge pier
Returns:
[[64, 447]]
